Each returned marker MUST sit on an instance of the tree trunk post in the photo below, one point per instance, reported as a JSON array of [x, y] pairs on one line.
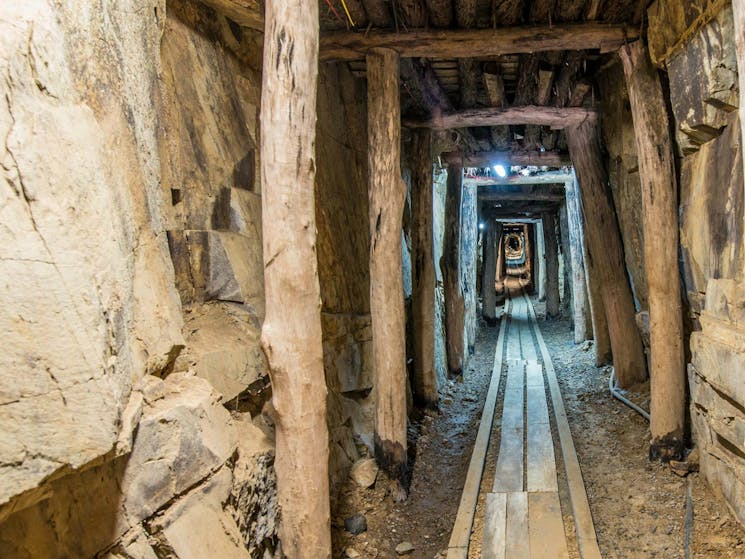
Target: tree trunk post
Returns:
[[661, 238], [552, 265], [488, 292], [605, 254], [580, 304], [540, 261], [566, 296], [423, 272], [738, 9], [500, 273], [529, 236], [449, 266], [387, 194], [292, 341]]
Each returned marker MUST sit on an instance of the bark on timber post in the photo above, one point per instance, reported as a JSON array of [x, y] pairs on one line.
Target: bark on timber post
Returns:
[[566, 266], [488, 292], [580, 304], [387, 194], [423, 272], [500, 256], [292, 341], [605, 253], [529, 236], [540, 262], [449, 266], [738, 9], [661, 237], [552, 265]]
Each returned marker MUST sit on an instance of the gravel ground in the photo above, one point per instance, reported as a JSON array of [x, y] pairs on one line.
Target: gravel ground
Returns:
[[638, 506]]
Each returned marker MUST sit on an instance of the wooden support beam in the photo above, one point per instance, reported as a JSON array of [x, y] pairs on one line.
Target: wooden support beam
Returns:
[[499, 277], [465, 13], [424, 378], [492, 194], [550, 177], [449, 265], [440, 12], [414, 13], [540, 261], [606, 253], [566, 267], [493, 231], [580, 306], [379, 14], [291, 333], [738, 9], [508, 158], [247, 13], [661, 238], [474, 43], [387, 194], [529, 236], [552, 265], [554, 117]]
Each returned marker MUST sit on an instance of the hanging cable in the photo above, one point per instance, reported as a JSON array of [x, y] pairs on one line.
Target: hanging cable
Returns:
[[333, 10], [346, 10]]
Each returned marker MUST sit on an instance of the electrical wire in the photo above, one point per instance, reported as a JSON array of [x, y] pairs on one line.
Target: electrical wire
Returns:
[[346, 10], [333, 10]]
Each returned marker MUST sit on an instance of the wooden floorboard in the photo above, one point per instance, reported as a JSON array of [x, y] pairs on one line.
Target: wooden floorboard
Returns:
[[461, 534], [495, 522], [546, 526], [509, 474], [517, 545]]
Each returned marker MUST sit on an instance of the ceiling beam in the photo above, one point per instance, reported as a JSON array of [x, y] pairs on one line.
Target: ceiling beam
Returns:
[[526, 197], [469, 43], [247, 13], [555, 117], [515, 157], [556, 177]]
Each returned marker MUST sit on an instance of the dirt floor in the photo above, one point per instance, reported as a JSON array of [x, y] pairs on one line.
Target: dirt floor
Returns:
[[639, 507]]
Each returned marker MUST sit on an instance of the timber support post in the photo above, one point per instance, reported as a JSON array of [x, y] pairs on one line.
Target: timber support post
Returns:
[[387, 196], [540, 261], [492, 231], [500, 272], [552, 265], [449, 265], [738, 10], [580, 304], [661, 238], [292, 340], [605, 255], [424, 381]]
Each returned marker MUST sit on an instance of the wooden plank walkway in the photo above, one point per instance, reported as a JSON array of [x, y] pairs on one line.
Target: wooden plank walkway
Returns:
[[522, 518]]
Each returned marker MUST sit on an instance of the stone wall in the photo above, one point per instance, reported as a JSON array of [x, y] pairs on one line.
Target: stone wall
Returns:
[[343, 252], [133, 285], [704, 98]]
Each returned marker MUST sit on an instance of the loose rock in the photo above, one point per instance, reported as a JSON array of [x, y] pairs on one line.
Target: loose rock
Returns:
[[356, 524], [404, 548], [364, 472]]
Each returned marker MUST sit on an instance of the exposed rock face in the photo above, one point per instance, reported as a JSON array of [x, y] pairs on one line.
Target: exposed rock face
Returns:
[[88, 304], [703, 86], [343, 249], [703, 83]]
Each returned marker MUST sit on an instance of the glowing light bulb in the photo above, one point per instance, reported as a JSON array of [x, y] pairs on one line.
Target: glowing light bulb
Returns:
[[500, 170]]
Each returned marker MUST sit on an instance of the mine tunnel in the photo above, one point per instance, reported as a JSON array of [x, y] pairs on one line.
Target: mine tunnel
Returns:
[[446, 279]]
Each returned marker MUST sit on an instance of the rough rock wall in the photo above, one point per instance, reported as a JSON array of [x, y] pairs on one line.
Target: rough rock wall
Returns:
[[113, 152], [704, 97], [343, 252], [88, 305], [623, 174]]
